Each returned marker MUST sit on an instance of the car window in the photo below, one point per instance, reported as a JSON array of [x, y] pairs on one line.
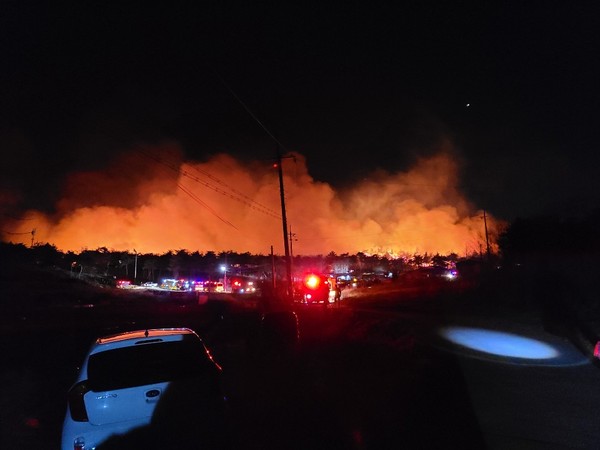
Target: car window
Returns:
[[146, 364]]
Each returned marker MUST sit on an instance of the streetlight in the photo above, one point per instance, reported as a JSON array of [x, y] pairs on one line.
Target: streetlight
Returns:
[[224, 270]]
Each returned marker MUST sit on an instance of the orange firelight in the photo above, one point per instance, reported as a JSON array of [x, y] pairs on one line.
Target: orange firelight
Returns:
[[226, 204]]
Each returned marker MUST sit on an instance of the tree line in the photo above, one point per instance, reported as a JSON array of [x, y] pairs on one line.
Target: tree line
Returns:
[[105, 263], [523, 240]]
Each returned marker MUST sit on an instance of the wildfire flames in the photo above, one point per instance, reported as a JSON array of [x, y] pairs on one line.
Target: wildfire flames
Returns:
[[152, 200]]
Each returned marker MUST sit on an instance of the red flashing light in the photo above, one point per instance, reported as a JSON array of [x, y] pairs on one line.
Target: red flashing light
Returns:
[[312, 281]]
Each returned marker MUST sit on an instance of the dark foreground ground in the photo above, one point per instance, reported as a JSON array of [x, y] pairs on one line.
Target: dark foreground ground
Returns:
[[370, 374], [334, 390]]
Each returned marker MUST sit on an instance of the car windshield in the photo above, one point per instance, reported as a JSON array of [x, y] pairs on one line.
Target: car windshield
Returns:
[[146, 364]]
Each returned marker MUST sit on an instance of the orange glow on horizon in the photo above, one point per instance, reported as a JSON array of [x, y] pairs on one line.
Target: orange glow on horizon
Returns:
[[154, 201]]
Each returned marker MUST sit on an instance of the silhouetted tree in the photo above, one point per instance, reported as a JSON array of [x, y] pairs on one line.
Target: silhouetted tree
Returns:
[[149, 266], [46, 255]]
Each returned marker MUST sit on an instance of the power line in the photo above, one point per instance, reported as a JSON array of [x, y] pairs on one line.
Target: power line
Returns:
[[236, 191], [20, 233], [17, 218], [199, 201], [12, 233], [262, 209], [185, 190], [231, 91], [236, 195], [281, 190]]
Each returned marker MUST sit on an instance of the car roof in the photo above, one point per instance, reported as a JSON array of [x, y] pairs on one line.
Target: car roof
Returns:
[[144, 336]]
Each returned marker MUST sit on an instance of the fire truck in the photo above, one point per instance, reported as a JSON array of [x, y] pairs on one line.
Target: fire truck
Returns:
[[314, 289], [241, 285]]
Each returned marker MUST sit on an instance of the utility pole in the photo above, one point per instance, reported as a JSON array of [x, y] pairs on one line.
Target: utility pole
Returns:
[[273, 277], [288, 261], [487, 239], [135, 266], [292, 238], [32, 237]]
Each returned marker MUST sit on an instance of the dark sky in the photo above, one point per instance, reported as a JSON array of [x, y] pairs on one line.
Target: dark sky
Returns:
[[354, 86]]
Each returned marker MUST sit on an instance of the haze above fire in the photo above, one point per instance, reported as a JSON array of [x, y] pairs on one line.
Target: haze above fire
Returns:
[[153, 200]]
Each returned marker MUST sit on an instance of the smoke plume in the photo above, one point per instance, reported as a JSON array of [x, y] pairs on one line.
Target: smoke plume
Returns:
[[153, 200]]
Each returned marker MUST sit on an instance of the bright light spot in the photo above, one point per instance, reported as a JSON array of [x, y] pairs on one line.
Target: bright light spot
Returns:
[[499, 343], [468, 105], [312, 281]]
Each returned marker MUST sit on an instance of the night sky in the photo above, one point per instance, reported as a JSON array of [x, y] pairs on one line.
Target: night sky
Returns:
[[353, 86]]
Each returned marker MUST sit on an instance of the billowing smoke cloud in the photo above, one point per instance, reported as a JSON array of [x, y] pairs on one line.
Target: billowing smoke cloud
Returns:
[[153, 201]]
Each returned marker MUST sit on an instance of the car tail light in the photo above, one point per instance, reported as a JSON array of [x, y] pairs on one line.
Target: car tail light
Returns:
[[77, 403], [597, 350]]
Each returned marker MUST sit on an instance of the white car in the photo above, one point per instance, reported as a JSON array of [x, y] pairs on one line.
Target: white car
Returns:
[[145, 389]]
